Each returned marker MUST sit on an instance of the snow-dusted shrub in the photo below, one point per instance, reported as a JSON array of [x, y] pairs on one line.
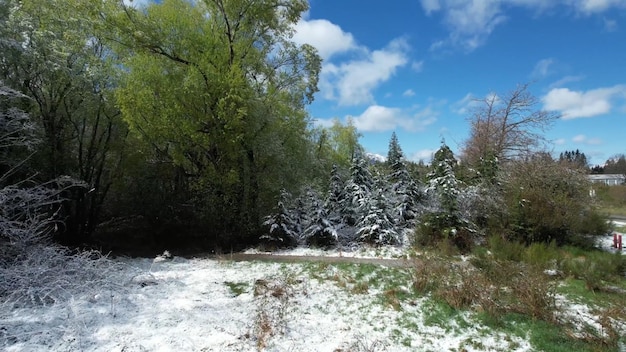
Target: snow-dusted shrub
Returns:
[[33, 270]]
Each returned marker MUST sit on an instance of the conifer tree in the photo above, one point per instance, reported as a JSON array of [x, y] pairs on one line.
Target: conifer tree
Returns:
[[394, 154], [377, 225], [283, 227], [335, 201], [320, 231], [357, 191]]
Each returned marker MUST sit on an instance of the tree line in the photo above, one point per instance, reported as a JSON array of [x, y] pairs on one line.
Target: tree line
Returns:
[[185, 124]]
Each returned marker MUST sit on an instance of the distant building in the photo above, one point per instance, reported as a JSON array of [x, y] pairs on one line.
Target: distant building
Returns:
[[608, 179]]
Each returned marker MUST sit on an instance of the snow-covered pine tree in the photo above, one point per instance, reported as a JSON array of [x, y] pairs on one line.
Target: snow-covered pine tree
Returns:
[[357, 191], [283, 228], [444, 190], [335, 201], [320, 231], [377, 225], [406, 195]]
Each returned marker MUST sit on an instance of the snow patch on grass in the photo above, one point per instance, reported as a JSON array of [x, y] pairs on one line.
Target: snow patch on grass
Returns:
[[191, 306]]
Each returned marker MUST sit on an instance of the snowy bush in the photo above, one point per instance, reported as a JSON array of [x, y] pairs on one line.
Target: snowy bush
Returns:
[[33, 270]]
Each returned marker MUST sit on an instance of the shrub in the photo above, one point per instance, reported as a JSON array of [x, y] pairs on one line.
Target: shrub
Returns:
[[549, 201]]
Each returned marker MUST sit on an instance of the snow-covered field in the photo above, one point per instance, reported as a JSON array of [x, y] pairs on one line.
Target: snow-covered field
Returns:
[[210, 305], [219, 305]]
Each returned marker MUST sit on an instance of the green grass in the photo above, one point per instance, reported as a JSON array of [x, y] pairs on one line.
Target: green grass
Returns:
[[576, 291], [619, 228], [237, 288]]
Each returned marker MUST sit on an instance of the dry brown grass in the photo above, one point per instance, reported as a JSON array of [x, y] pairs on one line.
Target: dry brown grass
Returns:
[[497, 288]]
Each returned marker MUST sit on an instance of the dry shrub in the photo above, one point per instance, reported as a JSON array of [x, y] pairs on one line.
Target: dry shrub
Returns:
[[274, 299], [493, 287], [429, 273], [534, 294]]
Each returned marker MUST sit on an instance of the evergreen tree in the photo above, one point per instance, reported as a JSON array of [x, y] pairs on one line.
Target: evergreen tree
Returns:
[[320, 232], [406, 195], [377, 225], [283, 227], [357, 191], [574, 157], [444, 190], [394, 154], [335, 201]]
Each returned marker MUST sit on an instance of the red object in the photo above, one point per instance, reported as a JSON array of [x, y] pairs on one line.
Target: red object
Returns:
[[619, 242], [614, 240]]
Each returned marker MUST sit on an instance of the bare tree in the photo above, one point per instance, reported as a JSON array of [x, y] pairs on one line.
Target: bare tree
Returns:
[[506, 127]]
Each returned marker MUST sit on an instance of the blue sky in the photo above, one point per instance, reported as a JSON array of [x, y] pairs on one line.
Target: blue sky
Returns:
[[414, 67]]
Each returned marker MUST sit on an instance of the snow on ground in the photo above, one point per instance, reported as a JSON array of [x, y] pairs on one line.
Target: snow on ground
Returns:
[[211, 305], [384, 252], [606, 242]]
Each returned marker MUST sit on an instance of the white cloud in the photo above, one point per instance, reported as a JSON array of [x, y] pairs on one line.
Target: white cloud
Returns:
[[377, 118], [424, 155], [328, 38], [352, 82], [431, 6], [417, 66], [567, 79], [596, 6], [408, 93], [542, 68], [470, 22], [559, 141], [582, 139], [575, 104]]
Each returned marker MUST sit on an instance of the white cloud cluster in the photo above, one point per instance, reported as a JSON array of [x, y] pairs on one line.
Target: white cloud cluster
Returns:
[[581, 138], [576, 104], [352, 82], [328, 38], [425, 155], [408, 93], [470, 22], [377, 118]]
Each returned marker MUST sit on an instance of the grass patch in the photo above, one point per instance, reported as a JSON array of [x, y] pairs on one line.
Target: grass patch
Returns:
[[237, 288], [576, 291]]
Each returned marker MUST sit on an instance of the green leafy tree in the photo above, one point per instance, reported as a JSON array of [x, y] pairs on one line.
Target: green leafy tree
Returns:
[[218, 88]]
